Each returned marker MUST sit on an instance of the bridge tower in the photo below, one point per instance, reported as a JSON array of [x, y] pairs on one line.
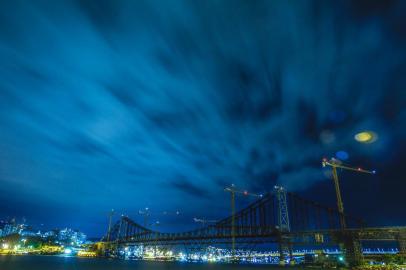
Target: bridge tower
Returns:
[[284, 224], [283, 213], [117, 242]]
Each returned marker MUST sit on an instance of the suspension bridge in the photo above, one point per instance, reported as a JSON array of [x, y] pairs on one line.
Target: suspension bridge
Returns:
[[281, 218]]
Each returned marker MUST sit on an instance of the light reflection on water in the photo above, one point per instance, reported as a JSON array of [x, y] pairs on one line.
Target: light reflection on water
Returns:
[[73, 263]]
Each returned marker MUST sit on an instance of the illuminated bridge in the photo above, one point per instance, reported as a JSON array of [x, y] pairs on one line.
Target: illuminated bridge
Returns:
[[280, 218]]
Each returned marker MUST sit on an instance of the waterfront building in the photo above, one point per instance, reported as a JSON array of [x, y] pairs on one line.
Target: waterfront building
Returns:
[[9, 228], [72, 237]]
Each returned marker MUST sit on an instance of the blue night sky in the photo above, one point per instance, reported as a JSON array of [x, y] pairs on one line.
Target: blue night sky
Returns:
[[162, 104]]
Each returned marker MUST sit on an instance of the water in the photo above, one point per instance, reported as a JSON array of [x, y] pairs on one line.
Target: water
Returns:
[[74, 263]]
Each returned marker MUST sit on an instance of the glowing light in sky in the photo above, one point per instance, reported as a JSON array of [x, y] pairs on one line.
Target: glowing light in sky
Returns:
[[366, 137], [342, 155]]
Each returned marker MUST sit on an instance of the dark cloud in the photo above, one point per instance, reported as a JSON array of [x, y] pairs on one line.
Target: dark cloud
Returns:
[[189, 188], [145, 103], [88, 147]]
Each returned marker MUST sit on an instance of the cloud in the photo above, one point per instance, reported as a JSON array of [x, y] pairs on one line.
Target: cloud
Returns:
[[121, 96], [189, 188]]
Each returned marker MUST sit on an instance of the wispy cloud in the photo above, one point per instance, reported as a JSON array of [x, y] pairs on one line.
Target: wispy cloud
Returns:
[[116, 99]]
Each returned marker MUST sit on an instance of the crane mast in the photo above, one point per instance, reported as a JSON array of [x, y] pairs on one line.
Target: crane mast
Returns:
[[233, 191]]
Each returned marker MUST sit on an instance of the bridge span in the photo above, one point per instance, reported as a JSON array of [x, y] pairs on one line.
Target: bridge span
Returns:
[[287, 221]]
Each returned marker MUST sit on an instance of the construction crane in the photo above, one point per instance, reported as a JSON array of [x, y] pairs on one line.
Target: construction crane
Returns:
[[334, 164], [233, 191], [168, 213], [148, 213], [203, 221]]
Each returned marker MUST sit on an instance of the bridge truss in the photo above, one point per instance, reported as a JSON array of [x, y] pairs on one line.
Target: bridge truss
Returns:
[[260, 223]]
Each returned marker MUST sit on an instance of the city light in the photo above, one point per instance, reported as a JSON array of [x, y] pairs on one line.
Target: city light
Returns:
[[223, 255], [88, 254]]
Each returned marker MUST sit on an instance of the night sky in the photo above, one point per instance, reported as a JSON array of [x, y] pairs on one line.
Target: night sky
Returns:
[[162, 104]]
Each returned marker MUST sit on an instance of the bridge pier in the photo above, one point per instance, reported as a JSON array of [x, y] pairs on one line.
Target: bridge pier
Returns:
[[353, 252], [402, 244], [105, 249], [352, 249], [285, 247]]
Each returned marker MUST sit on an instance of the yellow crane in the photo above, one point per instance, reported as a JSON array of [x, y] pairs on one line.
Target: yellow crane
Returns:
[[233, 191], [148, 213], [334, 164]]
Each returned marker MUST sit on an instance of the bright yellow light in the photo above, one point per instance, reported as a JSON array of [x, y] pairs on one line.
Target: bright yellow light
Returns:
[[83, 253], [365, 137]]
